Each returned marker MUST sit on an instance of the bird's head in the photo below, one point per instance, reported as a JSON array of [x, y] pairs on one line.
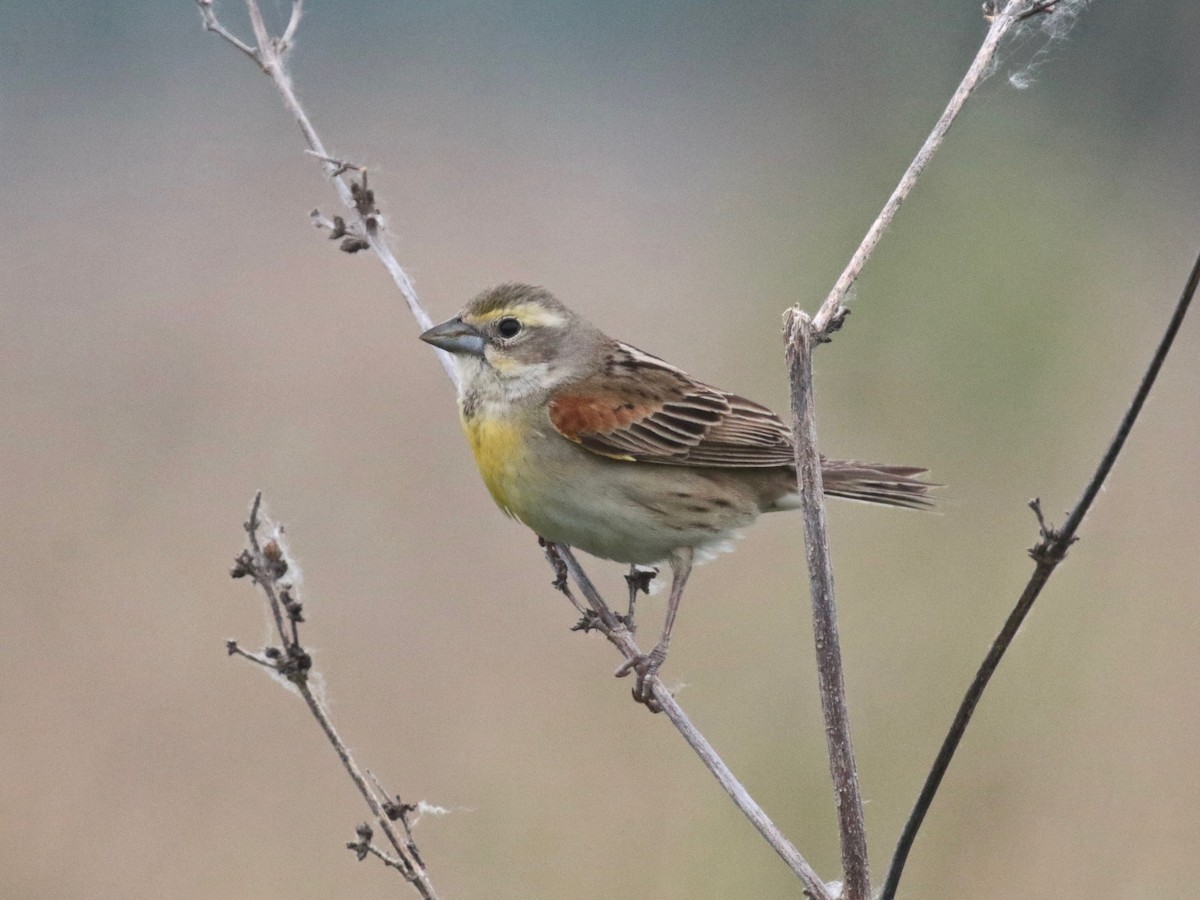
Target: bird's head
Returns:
[[515, 340]]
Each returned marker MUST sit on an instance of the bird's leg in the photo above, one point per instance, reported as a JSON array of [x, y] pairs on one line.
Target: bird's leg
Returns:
[[638, 579], [646, 665], [631, 581]]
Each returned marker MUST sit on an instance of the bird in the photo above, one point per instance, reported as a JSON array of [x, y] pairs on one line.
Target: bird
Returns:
[[593, 443]]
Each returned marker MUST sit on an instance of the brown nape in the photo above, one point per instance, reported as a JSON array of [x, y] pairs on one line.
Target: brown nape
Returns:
[[875, 483]]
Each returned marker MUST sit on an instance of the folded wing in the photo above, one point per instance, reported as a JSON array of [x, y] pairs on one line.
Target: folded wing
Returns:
[[644, 409]]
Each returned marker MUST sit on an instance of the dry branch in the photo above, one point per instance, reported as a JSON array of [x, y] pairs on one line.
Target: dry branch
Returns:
[[270, 55], [268, 565], [599, 616], [851, 827], [802, 335]]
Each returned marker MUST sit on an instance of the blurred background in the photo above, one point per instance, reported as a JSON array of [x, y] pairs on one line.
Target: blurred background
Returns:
[[174, 335]]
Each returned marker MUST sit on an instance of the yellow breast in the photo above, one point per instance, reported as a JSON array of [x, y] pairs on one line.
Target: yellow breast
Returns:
[[499, 450]]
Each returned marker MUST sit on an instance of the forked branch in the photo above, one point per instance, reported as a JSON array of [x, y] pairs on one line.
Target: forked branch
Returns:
[[802, 334]]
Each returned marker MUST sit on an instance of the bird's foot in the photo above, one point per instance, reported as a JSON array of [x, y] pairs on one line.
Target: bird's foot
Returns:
[[646, 666]]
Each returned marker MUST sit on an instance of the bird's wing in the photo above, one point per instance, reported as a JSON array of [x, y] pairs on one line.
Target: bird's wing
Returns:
[[640, 408]]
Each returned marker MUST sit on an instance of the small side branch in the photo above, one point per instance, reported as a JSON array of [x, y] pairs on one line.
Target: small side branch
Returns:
[[1047, 553], [851, 829], [289, 33], [267, 564], [211, 23], [597, 615], [833, 310]]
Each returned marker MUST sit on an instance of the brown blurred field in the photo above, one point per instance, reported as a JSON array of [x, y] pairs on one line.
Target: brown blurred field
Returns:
[[174, 336]]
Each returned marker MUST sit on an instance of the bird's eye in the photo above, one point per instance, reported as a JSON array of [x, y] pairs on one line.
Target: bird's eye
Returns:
[[508, 327]]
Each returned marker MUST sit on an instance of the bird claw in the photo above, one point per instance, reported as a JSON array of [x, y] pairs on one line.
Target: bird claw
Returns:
[[646, 666]]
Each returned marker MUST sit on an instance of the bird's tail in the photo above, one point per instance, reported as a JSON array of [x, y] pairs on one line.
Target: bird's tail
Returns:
[[874, 483]]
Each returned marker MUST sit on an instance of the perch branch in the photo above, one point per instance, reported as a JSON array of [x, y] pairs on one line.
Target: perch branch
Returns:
[[1050, 550], [266, 563], [270, 55], [602, 618]]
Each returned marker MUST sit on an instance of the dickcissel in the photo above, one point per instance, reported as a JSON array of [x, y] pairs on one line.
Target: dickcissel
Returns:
[[591, 442]]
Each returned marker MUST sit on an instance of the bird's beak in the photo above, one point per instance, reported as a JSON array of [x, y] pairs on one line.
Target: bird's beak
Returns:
[[455, 336]]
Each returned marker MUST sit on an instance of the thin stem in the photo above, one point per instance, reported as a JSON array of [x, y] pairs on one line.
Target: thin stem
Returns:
[[851, 828], [212, 24], [833, 310], [234, 649], [372, 233], [289, 33], [616, 632], [413, 872], [1075, 519], [265, 580], [271, 57], [802, 334], [1047, 554], [381, 856]]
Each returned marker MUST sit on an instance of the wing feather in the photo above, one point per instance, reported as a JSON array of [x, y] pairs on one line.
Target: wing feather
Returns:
[[640, 408]]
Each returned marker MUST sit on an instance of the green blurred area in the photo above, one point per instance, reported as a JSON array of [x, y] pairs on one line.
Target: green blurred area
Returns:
[[173, 336]]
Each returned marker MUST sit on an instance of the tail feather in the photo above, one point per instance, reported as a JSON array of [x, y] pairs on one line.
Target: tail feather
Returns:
[[875, 483]]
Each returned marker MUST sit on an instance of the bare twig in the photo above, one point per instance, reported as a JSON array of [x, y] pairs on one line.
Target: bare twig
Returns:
[[398, 811], [1050, 550], [833, 311], [266, 563], [234, 649], [341, 166], [211, 24], [271, 57], [614, 629], [289, 33], [363, 848], [851, 828]]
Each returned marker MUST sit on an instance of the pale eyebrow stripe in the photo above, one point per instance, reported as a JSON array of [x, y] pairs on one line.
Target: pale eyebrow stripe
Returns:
[[528, 313]]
